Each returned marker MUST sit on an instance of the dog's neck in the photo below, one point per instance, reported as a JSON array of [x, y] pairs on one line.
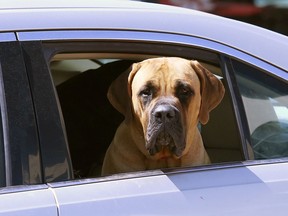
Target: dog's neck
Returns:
[[195, 154], [162, 163], [188, 158]]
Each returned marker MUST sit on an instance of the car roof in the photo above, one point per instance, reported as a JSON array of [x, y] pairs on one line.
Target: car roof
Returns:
[[33, 15]]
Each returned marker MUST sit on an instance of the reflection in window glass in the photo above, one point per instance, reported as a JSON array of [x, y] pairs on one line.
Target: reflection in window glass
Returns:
[[265, 101], [2, 158]]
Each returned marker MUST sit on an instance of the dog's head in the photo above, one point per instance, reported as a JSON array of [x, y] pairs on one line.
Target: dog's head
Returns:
[[167, 97]]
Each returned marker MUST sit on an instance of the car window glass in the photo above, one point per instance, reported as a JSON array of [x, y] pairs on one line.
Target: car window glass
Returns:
[[82, 83], [2, 159], [2, 153], [2, 156], [265, 100]]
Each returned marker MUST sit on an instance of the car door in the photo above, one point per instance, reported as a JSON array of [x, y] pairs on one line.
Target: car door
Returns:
[[27, 200], [231, 185], [22, 190]]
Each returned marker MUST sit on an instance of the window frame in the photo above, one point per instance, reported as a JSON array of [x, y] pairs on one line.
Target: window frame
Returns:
[[54, 42], [51, 131], [21, 149], [238, 106], [54, 48]]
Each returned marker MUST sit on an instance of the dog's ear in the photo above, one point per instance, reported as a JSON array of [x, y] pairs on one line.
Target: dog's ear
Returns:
[[212, 91], [119, 92]]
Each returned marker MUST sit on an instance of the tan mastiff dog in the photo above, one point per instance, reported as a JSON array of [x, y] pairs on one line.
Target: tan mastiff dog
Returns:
[[165, 100]]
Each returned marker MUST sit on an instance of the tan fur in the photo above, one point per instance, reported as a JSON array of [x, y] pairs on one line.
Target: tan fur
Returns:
[[127, 151]]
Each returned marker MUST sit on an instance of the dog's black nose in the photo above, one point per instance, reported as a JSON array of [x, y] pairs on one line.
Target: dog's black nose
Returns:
[[164, 113]]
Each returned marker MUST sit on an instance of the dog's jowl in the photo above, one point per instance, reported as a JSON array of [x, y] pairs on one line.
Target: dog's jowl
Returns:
[[163, 100]]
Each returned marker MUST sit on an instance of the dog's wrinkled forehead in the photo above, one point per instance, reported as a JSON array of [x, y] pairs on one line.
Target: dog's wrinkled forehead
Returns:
[[164, 73]]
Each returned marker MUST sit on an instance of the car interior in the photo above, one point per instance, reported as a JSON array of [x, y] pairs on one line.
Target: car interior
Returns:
[[82, 81]]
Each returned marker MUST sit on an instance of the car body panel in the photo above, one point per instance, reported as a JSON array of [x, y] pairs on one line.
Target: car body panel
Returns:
[[137, 16], [148, 195], [236, 184], [28, 200], [214, 192]]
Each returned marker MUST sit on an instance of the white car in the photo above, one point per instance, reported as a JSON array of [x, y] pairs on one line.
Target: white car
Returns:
[[57, 59]]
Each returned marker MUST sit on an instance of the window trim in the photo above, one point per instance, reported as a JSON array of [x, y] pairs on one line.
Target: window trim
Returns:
[[7, 36], [3, 128], [18, 122], [238, 107], [52, 137], [53, 48], [149, 36]]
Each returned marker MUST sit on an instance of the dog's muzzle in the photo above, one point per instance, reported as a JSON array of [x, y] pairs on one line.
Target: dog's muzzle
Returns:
[[165, 130]]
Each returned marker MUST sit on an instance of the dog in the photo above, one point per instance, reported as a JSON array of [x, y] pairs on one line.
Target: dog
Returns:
[[163, 100]]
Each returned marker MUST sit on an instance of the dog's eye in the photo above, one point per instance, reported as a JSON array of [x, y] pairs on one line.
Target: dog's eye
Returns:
[[146, 92], [146, 95], [184, 92]]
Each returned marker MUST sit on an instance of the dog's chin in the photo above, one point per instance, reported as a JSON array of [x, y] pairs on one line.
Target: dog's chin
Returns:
[[163, 147], [165, 139], [164, 154]]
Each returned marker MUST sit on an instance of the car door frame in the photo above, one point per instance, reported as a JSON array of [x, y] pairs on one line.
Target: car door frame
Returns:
[[55, 155], [225, 52], [65, 190], [20, 135], [68, 37], [22, 190]]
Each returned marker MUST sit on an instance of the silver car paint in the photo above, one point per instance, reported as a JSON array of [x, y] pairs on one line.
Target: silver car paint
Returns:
[[28, 200], [238, 190], [137, 16], [125, 35], [245, 190]]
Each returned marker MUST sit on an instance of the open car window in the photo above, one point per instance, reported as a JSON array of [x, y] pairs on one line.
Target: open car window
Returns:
[[82, 81]]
